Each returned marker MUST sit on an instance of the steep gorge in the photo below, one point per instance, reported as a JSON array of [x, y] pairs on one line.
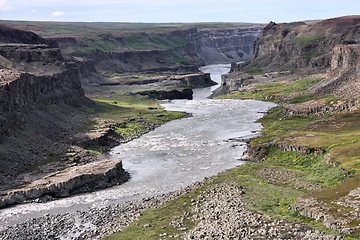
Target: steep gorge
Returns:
[[225, 45], [179, 50]]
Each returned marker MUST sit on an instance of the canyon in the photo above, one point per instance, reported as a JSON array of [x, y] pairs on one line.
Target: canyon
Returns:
[[305, 161], [43, 102]]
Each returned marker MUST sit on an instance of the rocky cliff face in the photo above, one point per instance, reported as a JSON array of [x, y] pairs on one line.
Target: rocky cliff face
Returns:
[[180, 60], [343, 77], [203, 47], [225, 45], [300, 44], [39, 93]]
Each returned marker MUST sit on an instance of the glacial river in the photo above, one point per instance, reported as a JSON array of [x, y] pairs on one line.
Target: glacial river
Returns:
[[172, 156]]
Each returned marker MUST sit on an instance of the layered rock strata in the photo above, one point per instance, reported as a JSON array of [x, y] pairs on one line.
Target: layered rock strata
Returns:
[[40, 100], [301, 44], [77, 179], [225, 45], [343, 75]]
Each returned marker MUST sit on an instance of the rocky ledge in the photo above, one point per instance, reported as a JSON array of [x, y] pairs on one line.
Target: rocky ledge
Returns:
[[340, 214], [172, 94], [77, 179], [220, 213]]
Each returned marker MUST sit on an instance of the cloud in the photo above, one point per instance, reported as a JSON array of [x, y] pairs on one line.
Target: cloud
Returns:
[[57, 13]]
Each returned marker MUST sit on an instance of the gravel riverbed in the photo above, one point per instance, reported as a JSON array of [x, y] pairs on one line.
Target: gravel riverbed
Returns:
[[218, 211], [92, 224]]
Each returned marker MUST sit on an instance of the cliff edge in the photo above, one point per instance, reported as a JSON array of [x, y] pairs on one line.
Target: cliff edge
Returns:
[[40, 113]]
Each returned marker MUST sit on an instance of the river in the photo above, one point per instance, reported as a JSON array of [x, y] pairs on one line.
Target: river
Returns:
[[172, 156]]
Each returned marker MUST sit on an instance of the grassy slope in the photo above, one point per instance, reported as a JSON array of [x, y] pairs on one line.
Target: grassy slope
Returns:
[[337, 134], [294, 174], [128, 115]]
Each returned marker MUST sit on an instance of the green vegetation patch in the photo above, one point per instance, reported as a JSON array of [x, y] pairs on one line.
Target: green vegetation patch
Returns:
[[5, 63], [261, 194], [178, 58], [275, 91], [276, 125], [338, 134], [89, 44], [140, 41], [157, 220], [305, 40], [313, 55], [283, 54], [329, 99], [312, 166], [129, 128], [128, 114]]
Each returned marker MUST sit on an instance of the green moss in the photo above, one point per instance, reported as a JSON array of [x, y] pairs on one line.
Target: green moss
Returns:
[[329, 99], [305, 40], [129, 128], [313, 55], [283, 54], [316, 170], [5, 63], [94, 153], [178, 57]]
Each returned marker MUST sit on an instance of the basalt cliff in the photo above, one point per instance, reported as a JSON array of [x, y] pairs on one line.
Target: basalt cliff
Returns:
[[179, 51], [224, 45], [301, 44], [327, 47], [40, 109]]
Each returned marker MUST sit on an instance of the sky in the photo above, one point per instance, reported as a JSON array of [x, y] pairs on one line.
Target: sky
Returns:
[[166, 11]]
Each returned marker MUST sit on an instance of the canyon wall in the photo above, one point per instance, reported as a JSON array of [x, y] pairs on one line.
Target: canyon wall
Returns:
[[343, 77], [197, 48], [39, 98], [301, 45], [225, 45]]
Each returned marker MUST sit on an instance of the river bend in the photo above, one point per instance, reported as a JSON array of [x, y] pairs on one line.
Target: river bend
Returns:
[[172, 156]]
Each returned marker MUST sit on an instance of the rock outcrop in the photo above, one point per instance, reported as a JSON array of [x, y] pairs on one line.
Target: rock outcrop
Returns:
[[179, 60], [11, 35], [225, 45], [40, 100], [343, 75], [170, 95], [338, 211], [301, 45], [77, 179]]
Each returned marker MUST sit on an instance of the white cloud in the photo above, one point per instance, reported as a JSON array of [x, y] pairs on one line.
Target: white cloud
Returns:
[[33, 11], [57, 13]]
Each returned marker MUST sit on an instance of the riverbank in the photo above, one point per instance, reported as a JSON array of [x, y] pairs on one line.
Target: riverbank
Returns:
[[218, 209], [278, 185], [86, 166], [268, 187]]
